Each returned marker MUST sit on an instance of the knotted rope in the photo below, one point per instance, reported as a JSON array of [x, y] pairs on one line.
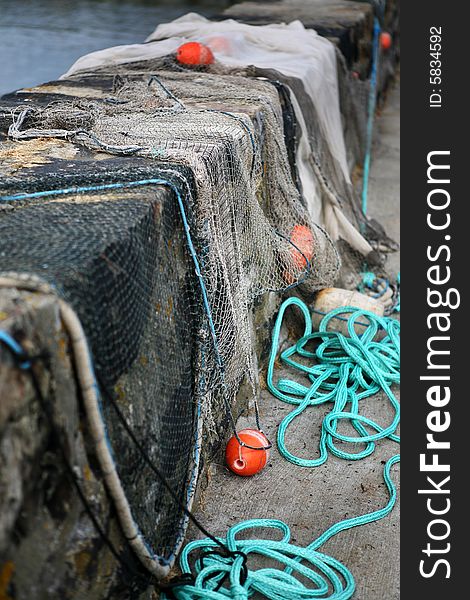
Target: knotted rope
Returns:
[[380, 288], [324, 576]]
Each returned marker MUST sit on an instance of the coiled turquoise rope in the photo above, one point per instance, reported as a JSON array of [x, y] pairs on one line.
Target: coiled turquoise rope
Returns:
[[347, 370], [327, 577]]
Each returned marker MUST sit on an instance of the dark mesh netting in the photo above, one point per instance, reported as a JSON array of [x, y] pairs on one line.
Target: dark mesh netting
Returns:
[[120, 260]]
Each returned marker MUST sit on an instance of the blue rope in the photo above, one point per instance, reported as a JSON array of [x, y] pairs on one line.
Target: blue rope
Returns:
[[371, 113], [81, 189], [372, 282], [368, 279], [346, 370], [327, 577], [13, 345]]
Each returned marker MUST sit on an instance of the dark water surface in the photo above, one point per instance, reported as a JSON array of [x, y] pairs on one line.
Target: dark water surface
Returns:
[[40, 39]]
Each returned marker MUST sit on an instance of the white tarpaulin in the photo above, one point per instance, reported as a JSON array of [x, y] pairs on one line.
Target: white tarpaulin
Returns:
[[288, 48]]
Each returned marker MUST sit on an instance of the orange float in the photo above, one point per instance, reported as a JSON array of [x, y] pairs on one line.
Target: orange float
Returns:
[[302, 238], [194, 53], [385, 40], [247, 461]]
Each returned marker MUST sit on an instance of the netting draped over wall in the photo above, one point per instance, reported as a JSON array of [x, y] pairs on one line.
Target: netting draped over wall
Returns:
[[135, 297], [304, 61], [134, 294], [163, 283], [247, 204]]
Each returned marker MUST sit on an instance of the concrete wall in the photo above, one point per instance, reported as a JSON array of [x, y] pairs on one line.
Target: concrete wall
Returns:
[[49, 547]]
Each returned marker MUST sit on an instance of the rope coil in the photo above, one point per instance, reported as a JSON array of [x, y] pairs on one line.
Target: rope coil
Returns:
[[327, 577], [346, 370]]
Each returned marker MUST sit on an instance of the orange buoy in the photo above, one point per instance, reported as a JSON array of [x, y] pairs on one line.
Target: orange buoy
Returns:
[[385, 40], [247, 461], [302, 237], [194, 53]]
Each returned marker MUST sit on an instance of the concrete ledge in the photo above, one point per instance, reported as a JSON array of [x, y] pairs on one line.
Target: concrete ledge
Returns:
[[48, 545]]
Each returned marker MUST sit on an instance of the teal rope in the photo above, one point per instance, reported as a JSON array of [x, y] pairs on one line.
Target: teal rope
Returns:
[[346, 370], [327, 577], [368, 279], [371, 282]]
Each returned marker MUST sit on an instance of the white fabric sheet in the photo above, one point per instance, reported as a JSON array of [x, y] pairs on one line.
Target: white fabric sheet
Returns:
[[288, 48]]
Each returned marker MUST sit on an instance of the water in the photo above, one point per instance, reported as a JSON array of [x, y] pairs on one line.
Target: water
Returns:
[[40, 39]]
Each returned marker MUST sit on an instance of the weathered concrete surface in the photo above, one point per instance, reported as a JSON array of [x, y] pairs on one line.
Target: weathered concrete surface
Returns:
[[49, 547], [310, 500], [384, 182]]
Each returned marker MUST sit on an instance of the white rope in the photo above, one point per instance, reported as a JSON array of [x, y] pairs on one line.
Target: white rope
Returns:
[[91, 399]]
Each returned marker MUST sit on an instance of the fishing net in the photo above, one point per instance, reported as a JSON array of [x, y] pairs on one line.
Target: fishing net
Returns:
[[329, 104], [121, 262], [124, 259], [227, 182]]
